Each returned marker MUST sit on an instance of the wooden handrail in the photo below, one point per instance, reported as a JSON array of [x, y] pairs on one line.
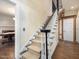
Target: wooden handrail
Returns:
[[46, 23], [48, 20]]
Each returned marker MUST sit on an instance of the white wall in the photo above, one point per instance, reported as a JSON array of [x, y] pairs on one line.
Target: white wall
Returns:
[[70, 12], [8, 9], [77, 27], [30, 14], [60, 29], [6, 22]]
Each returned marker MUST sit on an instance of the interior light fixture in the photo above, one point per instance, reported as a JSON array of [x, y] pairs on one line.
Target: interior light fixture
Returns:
[[72, 7], [14, 18]]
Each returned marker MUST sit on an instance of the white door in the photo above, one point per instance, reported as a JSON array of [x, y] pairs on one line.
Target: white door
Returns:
[[68, 29]]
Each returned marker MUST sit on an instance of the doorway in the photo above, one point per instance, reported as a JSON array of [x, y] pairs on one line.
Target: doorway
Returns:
[[69, 28]]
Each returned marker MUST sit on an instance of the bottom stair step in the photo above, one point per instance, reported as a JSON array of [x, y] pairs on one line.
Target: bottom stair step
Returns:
[[30, 55]]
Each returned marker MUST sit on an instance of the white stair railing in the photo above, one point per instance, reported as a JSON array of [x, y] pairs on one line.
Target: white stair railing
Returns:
[[52, 37]]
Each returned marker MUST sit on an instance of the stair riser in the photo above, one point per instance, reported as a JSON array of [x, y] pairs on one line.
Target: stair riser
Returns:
[[37, 44], [30, 55], [34, 52]]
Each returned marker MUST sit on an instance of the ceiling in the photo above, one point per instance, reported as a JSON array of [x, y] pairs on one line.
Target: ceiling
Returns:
[[70, 4], [7, 7]]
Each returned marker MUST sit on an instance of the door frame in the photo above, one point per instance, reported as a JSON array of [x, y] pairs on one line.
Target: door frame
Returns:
[[74, 26], [60, 18]]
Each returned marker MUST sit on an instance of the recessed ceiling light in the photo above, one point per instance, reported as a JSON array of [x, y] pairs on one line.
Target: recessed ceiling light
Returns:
[[72, 7], [14, 18]]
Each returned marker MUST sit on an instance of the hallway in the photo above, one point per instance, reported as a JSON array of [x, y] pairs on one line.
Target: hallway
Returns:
[[67, 50]]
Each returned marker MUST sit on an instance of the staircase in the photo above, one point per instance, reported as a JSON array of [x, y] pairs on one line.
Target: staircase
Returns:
[[33, 49], [36, 47]]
